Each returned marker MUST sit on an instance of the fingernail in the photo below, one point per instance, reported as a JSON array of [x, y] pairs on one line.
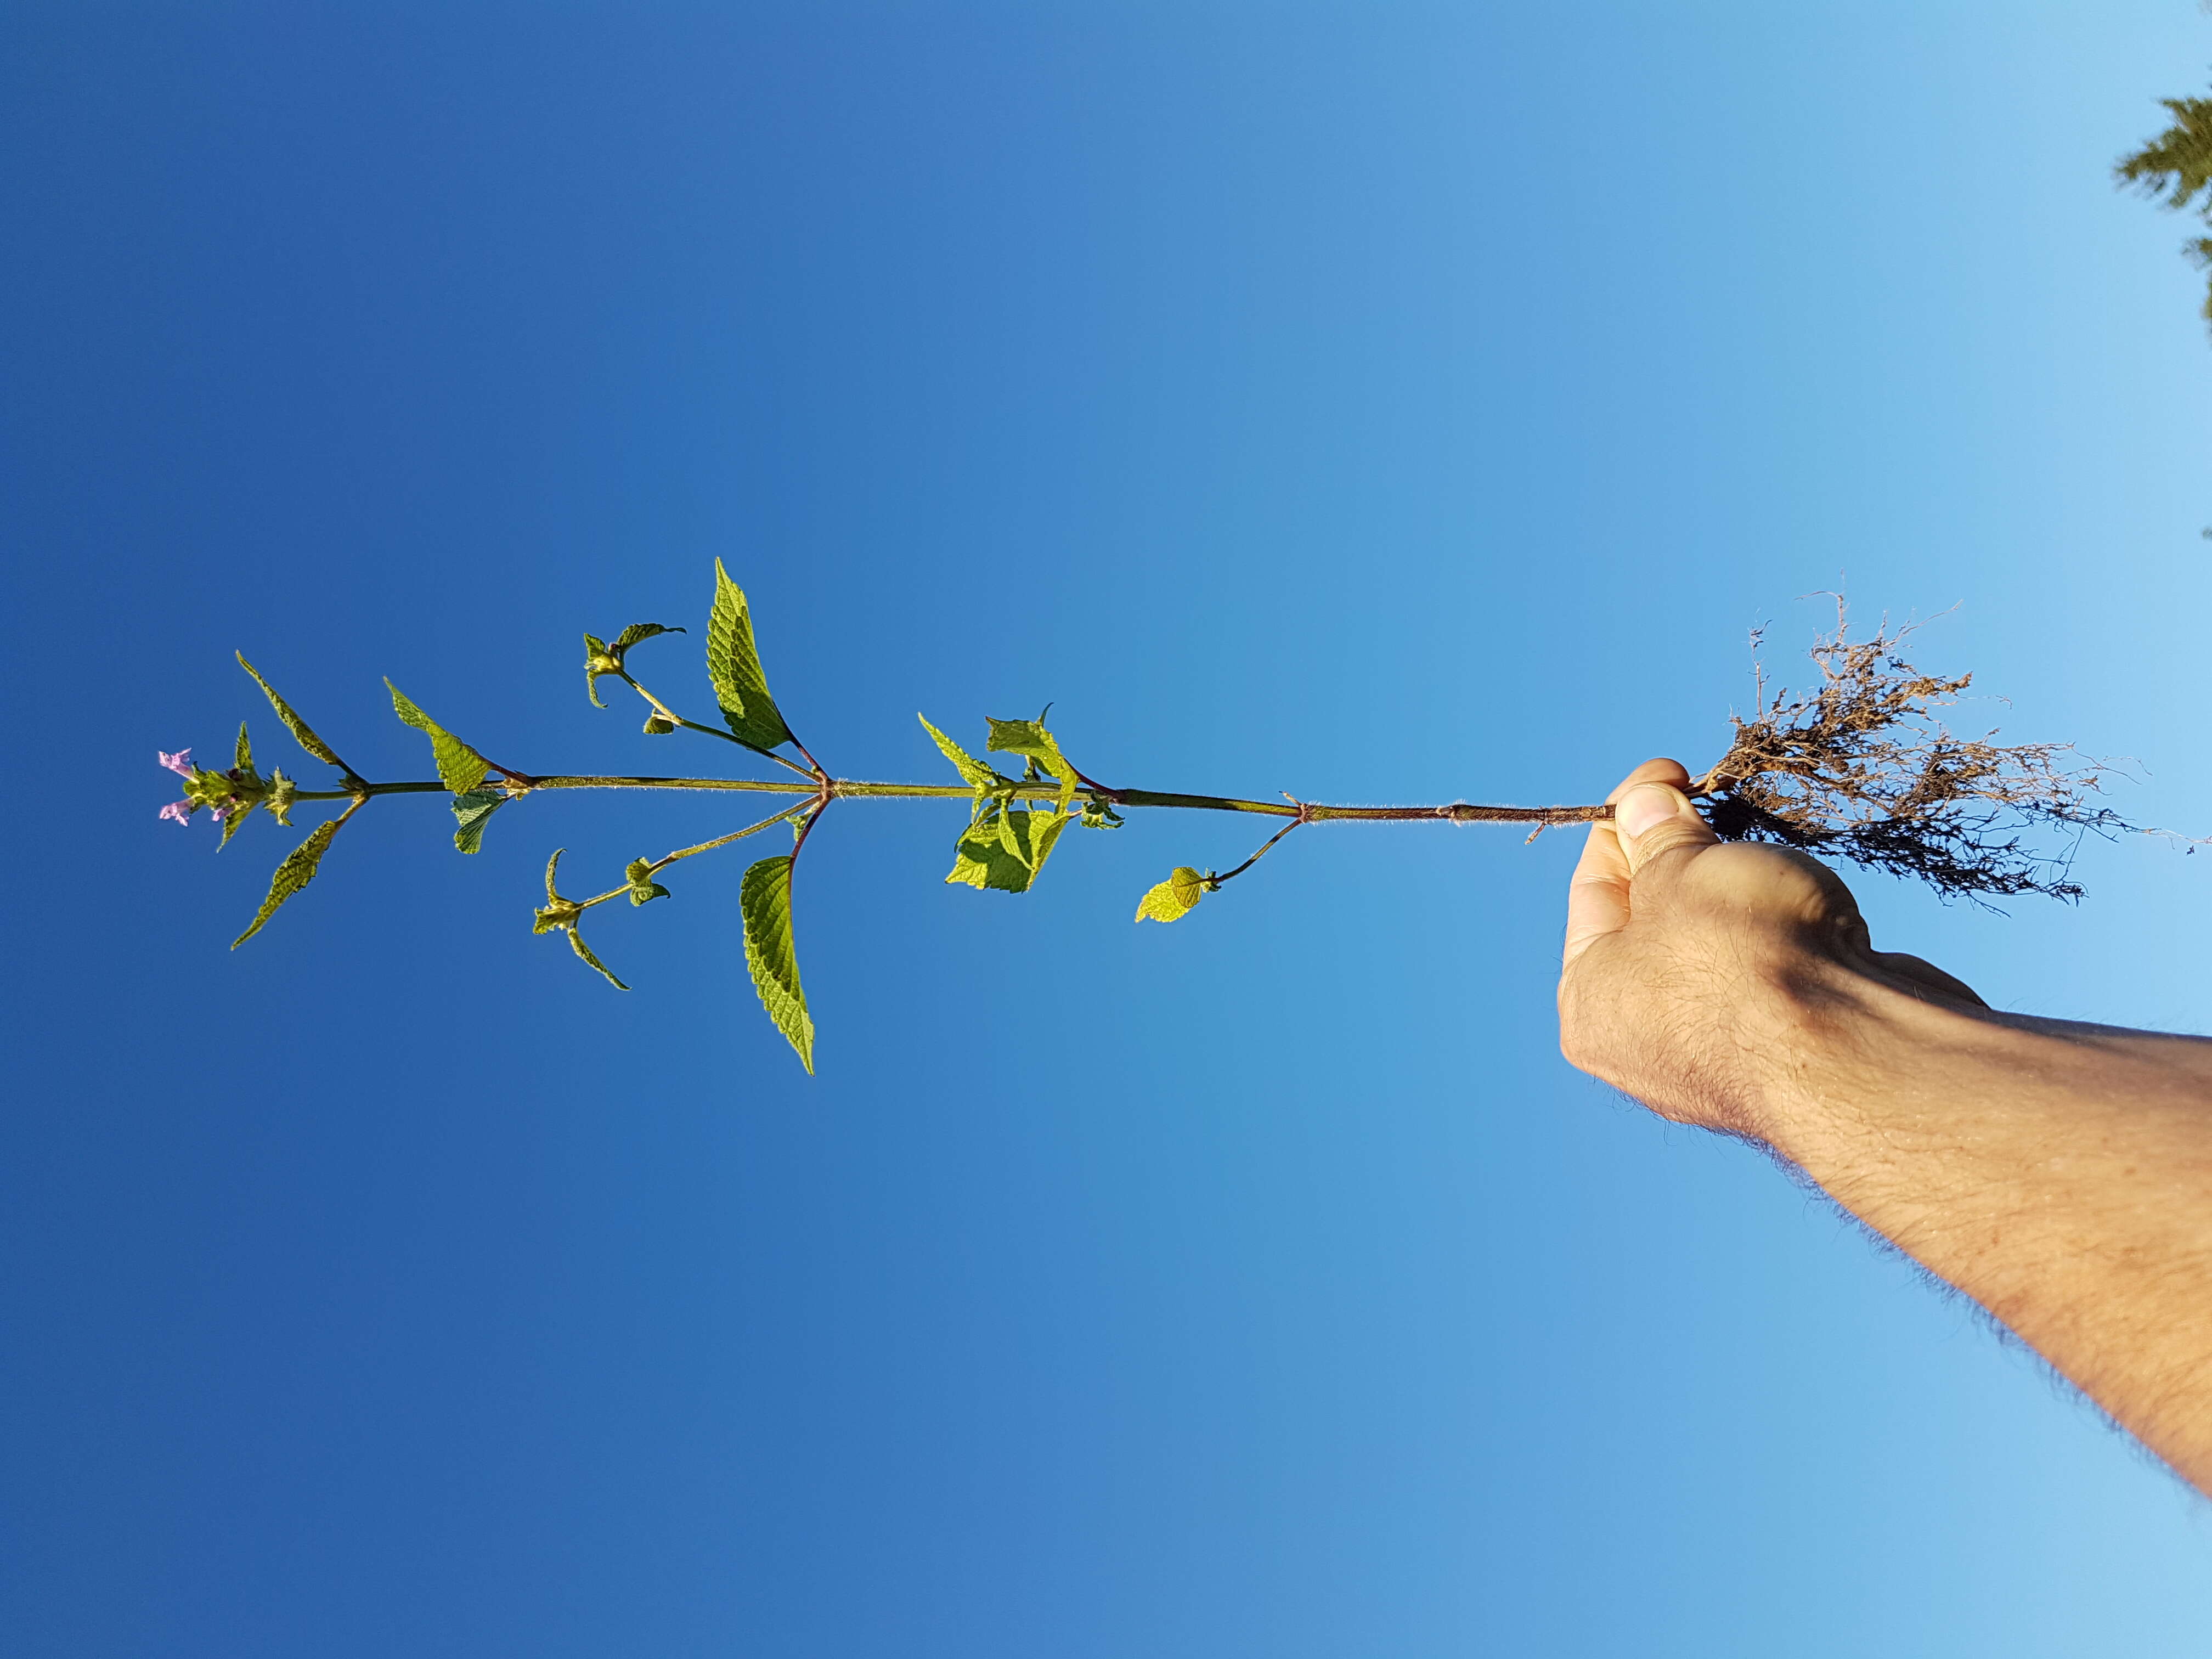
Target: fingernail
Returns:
[[1643, 808]]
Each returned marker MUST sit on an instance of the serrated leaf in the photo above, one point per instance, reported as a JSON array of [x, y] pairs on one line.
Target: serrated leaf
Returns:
[[764, 900], [474, 809], [734, 665], [637, 631], [460, 769], [299, 728], [244, 762], [1047, 834], [975, 872], [1174, 898], [1005, 852], [231, 822], [1030, 739], [1020, 738], [297, 870], [972, 771], [576, 944]]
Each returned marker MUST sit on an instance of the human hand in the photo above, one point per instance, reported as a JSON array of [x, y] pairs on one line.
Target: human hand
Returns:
[[1703, 976]]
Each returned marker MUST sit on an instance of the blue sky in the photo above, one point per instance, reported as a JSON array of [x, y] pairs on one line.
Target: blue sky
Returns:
[[1376, 403]]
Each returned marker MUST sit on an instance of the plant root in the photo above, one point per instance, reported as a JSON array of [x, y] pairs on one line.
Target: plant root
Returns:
[[1861, 767]]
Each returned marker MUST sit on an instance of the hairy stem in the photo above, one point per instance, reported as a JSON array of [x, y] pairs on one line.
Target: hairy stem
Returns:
[[666, 859], [855, 789]]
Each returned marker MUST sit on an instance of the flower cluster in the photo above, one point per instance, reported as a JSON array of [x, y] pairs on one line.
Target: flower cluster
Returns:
[[226, 795], [178, 811]]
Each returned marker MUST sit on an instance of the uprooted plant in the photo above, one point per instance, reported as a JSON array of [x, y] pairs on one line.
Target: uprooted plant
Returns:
[[1859, 766]]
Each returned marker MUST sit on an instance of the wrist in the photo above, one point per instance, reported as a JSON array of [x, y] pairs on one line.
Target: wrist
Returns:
[[1843, 1045]]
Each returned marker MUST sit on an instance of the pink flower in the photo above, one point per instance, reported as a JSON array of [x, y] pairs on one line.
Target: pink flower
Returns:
[[181, 763], [217, 812], [180, 811]]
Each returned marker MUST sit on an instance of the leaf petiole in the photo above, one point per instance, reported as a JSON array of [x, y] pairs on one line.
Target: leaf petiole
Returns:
[[1305, 816], [675, 718]]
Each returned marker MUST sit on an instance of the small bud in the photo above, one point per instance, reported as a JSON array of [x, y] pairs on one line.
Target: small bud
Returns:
[[658, 726], [279, 798], [562, 913]]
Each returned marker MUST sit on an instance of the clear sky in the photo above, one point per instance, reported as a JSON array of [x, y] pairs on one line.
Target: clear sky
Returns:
[[1373, 402]]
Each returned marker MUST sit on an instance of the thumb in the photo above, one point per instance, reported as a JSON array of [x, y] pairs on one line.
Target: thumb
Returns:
[[1654, 819]]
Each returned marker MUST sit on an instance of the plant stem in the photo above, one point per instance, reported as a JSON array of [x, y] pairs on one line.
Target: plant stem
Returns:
[[855, 789], [666, 859]]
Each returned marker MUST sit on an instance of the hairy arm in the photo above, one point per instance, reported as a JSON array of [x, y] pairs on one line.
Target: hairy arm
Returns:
[[2059, 1174]]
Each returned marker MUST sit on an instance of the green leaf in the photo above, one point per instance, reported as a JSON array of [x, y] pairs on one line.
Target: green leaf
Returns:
[[1005, 852], [474, 809], [576, 944], [460, 769], [1055, 823], [1174, 898], [231, 822], [637, 631], [733, 663], [299, 728], [764, 898], [1021, 737], [1030, 739], [297, 870], [972, 771], [244, 762]]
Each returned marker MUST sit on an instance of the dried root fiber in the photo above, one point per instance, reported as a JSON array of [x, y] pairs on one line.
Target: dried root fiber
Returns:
[[1861, 767]]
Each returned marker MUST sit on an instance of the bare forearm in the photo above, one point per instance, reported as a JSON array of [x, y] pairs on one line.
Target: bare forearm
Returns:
[[2061, 1174]]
